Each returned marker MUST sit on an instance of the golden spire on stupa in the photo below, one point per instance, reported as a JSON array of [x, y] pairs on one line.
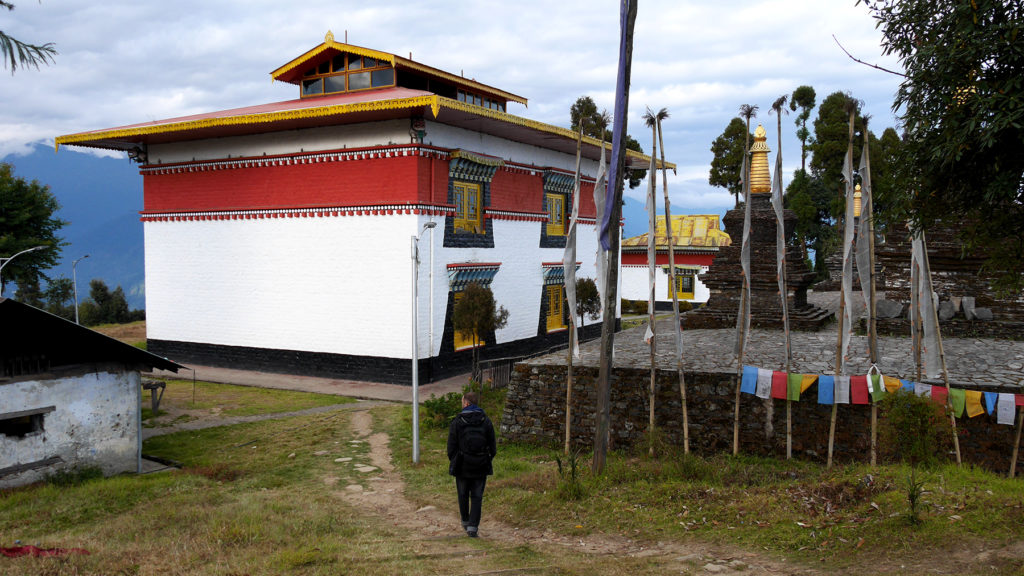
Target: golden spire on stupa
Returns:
[[858, 199], [760, 176]]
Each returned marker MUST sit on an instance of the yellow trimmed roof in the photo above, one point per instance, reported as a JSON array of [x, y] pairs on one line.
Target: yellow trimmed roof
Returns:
[[688, 231], [292, 72]]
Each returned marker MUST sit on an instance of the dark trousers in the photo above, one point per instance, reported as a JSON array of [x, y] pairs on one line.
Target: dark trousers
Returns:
[[471, 495]]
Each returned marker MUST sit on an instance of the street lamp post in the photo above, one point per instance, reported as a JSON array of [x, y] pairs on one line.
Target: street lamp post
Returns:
[[6, 261], [74, 280], [415, 342]]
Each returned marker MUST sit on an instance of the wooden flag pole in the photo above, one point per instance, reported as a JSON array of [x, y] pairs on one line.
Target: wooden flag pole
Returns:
[[672, 281], [568, 391], [652, 257], [872, 325], [1016, 443], [839, 365], [942, 354]]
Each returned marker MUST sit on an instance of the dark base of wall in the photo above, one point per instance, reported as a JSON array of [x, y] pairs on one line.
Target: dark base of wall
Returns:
[[956, 328], [365, 368], [535, 412]]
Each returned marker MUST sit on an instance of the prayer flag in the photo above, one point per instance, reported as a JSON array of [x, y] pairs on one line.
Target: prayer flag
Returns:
[[619, 128], [1020, 399], [928, 340], [793, 383], [858, 389], [601, 265], [1006, 410], [958, 400], [907, 385], [780, 245], [974, 407], [923, 389], [569, 260], [990, 402], [826, 389], [749, 383], [808, 381], [891, 384], [939, 394], [846, 322], [877, 387], [764, 383], [743, 315], [864, 227], [842, 389], [779, 385], [974, 403], [652, 251]]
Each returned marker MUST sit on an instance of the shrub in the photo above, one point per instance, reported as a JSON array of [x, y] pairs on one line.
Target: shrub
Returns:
[[914, 429], [569, 485], [438, 411]]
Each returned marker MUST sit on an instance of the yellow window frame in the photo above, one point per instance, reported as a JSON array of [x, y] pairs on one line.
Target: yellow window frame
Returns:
[[685, 277], [556, 314], [556, 214], [462, 342], [468, 202]]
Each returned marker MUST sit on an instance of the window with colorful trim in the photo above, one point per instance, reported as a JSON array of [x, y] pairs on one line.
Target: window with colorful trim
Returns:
[[468, 200], [685, 281], [556, 309], [347, 73], [471, 98], [554, 204]]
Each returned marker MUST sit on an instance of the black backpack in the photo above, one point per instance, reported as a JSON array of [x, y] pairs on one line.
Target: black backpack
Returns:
[[473, 445]]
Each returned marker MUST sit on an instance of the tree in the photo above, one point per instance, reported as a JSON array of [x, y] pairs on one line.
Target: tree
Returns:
[[588, 300], [29, 293], [804, 99], [960, 101], [831, 138], [727, 164], [812, 202], [27, 220], [60, 298], [595, 125], [104, 306], [476, 315], [17, 53]]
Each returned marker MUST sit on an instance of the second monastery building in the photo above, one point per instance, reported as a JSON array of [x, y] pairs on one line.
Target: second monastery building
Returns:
[[278, 236]]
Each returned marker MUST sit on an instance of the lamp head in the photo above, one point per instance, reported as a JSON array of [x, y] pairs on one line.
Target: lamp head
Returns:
[[429, 225]]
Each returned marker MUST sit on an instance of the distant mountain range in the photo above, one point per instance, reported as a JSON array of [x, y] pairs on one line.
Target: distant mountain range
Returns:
[[101, 199]]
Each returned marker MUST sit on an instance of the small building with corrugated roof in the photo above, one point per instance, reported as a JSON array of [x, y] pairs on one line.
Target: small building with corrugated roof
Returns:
[[696, 240]]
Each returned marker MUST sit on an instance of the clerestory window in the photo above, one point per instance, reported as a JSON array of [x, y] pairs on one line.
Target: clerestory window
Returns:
[[347, 73]]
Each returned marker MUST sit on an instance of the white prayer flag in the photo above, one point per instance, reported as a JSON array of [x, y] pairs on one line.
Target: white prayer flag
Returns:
[[780, 245], [1006, 408], [652, 248], [846, 322], [924, 390], [764, 383], [743, 316], [601, 257], [842, 395], [569, 263], [864, 229], [928, 340]]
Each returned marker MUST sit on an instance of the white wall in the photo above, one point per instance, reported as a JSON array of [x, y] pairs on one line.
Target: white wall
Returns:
[[635, 284], [286, 142], [96, 423]]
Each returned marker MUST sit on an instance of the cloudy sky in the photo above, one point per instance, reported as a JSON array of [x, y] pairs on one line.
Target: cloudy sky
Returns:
[[123, 62]]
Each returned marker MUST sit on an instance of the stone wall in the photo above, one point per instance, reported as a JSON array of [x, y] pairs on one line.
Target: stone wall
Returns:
[[535, 413]]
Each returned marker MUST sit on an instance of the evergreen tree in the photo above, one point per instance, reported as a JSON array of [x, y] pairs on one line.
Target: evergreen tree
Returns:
[[804, 99], [27, 220], [476, 315], [727, 164], [17, 53], [595, 125]]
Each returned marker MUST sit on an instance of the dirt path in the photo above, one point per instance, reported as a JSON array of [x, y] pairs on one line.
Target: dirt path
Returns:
[[385, 498]]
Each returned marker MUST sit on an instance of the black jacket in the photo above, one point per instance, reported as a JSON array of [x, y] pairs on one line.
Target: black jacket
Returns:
[[471, 465]]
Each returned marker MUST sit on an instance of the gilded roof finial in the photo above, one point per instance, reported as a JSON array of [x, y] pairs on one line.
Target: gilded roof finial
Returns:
[[760, 176], [857, 201], [329, 38]]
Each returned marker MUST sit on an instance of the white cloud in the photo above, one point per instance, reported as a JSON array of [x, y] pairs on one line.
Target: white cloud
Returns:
[[123, 62]]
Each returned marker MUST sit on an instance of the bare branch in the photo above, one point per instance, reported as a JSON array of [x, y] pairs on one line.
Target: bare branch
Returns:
[[859, 61]]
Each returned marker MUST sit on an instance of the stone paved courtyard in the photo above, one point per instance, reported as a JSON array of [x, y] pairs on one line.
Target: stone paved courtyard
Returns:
[[974, 363]]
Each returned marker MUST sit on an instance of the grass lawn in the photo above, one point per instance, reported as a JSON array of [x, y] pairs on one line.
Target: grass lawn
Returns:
[[182, 402], [268, 498], [848, 518]]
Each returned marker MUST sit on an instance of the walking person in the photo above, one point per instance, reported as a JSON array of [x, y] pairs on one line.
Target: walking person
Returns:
[[471, 447]]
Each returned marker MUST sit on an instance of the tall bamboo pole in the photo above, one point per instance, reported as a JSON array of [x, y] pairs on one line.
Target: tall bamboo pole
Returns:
[[662, 114], [652, 257], [942, 354], [839, 371], [779, 107], [872, 326], [572, 313], [1016, 443], [747, 111], [604, 375]]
